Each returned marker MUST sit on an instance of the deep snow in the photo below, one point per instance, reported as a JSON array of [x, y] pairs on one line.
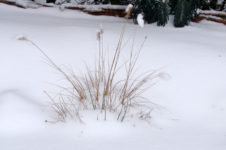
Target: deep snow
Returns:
[[192, 109]]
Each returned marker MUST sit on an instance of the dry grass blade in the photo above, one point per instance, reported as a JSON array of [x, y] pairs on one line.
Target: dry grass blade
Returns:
[[99, 89]]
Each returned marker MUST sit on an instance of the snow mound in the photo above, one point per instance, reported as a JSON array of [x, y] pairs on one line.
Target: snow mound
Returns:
[[140, 20]]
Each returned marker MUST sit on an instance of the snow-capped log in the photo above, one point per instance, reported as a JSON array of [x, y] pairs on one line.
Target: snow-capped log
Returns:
[[11, 3], [215, 16]]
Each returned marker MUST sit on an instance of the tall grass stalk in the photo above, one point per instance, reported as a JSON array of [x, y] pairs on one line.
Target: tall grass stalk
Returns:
[[98, 89]]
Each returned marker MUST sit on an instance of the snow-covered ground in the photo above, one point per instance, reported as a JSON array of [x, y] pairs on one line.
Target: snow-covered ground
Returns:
[[191, 111]]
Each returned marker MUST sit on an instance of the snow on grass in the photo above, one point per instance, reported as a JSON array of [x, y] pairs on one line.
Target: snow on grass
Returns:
[[21, 37], [129, 7], [140, 20], [190, 106]]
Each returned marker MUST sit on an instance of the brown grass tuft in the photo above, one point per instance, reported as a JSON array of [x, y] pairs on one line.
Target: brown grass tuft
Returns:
[[99, 89]]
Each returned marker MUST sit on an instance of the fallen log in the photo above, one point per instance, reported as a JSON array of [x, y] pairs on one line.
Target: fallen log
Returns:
[[102, 11], [200, 18], [11, 3], [223, 16]]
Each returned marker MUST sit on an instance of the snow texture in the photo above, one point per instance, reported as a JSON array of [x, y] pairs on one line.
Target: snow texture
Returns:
[[23, 3], [190, 107], [96, 7], [40, 1], [164, 76], [211, 11]]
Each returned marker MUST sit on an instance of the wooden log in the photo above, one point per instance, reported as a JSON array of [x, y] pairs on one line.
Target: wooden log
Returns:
[[11, 3], [200, 18]]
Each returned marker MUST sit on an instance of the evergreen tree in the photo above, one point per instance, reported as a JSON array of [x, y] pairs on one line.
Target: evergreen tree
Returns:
[[213, 4], [223, 6], [115, 2], [153, 11], [162, 15], [204, 4], [184, 11], [145, 7], [158, 11], [172, 4]]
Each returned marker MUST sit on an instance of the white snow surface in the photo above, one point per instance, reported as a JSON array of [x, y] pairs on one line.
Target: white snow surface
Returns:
[[40, 1], [95, 7], [191, 105], [211, 11], [23, 3]]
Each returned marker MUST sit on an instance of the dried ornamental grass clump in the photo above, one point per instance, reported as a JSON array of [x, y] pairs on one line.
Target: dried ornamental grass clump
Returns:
[[98, 89]]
